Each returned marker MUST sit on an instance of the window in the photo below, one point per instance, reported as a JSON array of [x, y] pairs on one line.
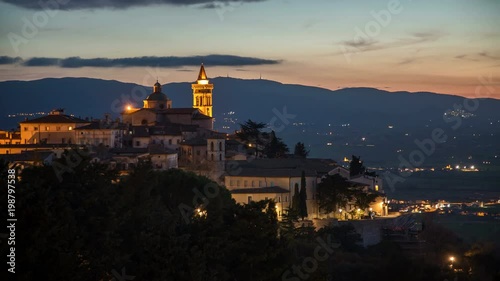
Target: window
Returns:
[[178, 141], [70, 128], [25, 129], [220, 157], [137, 143], [376, 187], [58, 128], [220, 146], [63, 140], [170, 141], [198, 152], [35, 128], [286, 198], [249, 199], [238, 182], [244, 183], [253, 183], [212, 146], [231, 183], [278, 199], [260, 183], [47, 128]]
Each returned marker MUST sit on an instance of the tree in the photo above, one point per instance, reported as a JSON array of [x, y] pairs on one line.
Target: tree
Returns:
[[362, 199], [275, 147], [333, 193], [356, 166], [251, 134], [303, 196], [300, 150], [296, 200]]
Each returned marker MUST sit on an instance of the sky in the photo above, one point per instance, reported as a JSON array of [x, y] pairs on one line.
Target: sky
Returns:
[[443, 46]]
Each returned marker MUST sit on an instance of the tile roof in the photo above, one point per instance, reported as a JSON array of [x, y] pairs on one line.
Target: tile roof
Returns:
[[98, 125], [55, 118]]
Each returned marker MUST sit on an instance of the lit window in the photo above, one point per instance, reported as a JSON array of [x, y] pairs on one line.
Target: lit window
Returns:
[[47, 128], [376, 187], [70, 128]]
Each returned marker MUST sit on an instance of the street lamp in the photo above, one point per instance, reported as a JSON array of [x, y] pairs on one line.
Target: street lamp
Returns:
[[452, 259]]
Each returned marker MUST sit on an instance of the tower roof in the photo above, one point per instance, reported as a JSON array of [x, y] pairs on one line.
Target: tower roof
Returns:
[[202, 75]]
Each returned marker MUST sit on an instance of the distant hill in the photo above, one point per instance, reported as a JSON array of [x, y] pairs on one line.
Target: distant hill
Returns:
[[388, 121]]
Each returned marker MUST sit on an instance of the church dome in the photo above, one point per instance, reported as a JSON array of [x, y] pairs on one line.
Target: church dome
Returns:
[[157, 94]]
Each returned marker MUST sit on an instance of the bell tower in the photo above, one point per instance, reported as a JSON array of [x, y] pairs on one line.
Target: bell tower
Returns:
[[202, 93]]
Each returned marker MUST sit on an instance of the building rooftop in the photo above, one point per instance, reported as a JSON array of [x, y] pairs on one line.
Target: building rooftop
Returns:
[[55, 118], [100, 125]]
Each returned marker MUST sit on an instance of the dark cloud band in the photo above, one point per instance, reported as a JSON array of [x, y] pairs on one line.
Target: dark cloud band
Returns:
[[76, 62], [9, 60], [115, 4]]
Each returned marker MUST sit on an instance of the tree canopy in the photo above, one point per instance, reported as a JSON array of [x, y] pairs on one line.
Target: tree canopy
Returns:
[[300, 150]]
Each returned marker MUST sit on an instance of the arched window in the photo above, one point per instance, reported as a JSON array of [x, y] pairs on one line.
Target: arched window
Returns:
[[220, 157], [212, 146], [220, 146]]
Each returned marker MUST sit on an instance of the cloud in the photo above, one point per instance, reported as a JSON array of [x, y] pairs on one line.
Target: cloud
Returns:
[[116, 4], [488, 56], [363, 43], [9, 60], [367, 43], [407, 61], [481, 56], [77, 62]]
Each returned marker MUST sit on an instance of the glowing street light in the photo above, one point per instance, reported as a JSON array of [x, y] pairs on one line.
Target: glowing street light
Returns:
[[452, 259]]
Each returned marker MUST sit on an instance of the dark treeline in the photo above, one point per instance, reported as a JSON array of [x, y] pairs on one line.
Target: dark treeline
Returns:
[[174, 225]]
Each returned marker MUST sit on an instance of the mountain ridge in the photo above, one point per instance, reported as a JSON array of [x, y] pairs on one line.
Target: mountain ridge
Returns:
[[389, 121]]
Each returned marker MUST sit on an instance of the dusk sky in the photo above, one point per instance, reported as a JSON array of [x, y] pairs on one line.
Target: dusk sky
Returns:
[[442, 46]]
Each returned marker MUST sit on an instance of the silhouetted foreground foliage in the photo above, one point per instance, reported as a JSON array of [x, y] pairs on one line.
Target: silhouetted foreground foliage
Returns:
[[173, 225]]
